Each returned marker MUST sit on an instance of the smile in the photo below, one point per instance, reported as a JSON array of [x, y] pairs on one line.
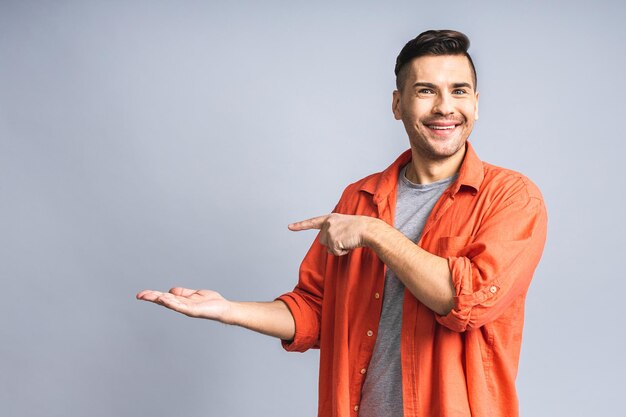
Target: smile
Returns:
[[441, 127]]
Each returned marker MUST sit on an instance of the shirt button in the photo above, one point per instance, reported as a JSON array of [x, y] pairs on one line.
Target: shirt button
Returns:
[[370, 333], [377, 296], [363, 371], [356, 408], [493, 289]]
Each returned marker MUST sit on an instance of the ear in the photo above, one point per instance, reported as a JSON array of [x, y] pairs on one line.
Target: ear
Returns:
[[395, 105], [476, 109]]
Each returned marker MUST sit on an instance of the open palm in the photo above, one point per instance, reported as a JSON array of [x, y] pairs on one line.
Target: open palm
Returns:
[[193, 303]]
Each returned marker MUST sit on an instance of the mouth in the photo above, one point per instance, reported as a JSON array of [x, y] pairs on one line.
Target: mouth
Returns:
[[442, 130], [441, 127]]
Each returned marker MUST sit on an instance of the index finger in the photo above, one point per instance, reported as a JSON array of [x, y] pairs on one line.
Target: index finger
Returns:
[[312, 223]]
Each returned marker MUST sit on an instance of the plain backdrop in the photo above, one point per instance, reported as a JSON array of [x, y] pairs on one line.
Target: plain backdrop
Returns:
[[148, 144]]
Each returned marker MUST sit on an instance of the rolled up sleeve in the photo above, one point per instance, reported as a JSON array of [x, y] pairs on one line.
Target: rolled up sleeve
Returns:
[[305, 301], [494, 267]]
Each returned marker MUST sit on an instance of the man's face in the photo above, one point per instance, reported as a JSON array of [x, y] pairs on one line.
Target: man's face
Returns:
[[438, 105]]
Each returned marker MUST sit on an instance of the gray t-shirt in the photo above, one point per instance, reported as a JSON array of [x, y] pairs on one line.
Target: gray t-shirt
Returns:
[[382, 390]]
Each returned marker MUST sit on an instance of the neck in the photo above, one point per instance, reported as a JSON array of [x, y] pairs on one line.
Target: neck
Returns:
[[423, 170]]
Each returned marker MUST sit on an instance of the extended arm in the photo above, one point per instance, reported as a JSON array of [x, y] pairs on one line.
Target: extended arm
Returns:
[[270, 318], [425, 275]]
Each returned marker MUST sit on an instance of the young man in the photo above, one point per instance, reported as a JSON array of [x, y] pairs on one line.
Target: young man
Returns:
[[414, 289]]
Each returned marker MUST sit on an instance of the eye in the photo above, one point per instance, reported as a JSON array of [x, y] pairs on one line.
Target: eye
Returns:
[[459, 91], [425, 91]]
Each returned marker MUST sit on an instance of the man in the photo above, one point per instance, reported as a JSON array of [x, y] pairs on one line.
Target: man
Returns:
[[431, 329]]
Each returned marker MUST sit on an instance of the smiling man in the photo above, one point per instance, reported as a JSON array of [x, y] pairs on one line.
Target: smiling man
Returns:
[[414, 288]]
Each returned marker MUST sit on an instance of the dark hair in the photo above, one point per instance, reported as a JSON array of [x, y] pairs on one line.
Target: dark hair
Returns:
[[432, 42]]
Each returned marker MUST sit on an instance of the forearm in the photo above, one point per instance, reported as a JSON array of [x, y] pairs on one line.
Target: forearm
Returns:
[[269, 318], [425, 275]]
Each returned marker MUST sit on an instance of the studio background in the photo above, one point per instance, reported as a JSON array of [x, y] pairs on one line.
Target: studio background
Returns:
[[150, 144]]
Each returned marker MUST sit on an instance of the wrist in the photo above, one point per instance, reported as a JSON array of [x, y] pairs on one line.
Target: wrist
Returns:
[[372, 229], [231, 313]]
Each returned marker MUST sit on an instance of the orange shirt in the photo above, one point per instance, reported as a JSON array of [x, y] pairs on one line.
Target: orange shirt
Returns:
[[491, 226]]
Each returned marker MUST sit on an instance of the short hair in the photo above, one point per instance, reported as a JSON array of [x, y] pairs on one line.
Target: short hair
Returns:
[[432, 42]]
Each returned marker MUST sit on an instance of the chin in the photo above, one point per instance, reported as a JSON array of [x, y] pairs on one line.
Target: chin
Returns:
[[439, 151]]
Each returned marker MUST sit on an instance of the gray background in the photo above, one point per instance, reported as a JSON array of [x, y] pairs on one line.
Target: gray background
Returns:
[[153, 144]]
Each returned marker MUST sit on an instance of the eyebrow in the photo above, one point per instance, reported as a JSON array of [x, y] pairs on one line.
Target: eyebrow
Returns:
[[434, 87], [428, 85]]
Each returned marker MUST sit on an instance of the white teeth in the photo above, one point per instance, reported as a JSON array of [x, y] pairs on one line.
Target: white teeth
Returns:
[[442, 127]]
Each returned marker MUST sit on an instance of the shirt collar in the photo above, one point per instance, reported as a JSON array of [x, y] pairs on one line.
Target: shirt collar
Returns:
[[471, 175]]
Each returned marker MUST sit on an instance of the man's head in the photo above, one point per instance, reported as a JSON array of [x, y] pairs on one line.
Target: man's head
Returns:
[[436, 97], [432, 42]]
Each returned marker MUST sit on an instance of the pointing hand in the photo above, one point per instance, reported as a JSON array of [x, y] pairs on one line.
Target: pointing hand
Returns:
[[340, 233]]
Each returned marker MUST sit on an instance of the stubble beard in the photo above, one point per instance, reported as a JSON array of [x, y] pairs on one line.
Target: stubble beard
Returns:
[[429, 150]]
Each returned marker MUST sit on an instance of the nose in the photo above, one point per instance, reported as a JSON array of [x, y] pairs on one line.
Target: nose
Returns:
[[443, 105]]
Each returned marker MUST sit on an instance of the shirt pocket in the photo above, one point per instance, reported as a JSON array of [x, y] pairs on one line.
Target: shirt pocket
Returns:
[[454, 246]]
